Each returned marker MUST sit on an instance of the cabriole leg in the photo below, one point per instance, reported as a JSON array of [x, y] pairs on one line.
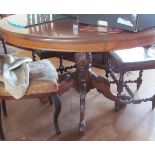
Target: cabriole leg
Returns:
[[57, 104], [4, 108], [1, 127]]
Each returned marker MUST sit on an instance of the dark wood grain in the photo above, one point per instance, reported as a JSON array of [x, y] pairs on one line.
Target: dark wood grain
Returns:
[[1, 127], [59, 36]]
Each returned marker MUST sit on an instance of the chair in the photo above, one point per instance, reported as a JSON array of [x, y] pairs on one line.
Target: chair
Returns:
[[1, 39], [3, 44], [123, 61], [47, 54], [38, 88]]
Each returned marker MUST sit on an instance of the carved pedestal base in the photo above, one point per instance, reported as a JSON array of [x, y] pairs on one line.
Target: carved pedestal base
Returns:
[[84, 80]]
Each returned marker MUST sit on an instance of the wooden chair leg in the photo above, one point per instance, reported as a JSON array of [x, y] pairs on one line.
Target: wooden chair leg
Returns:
[[4, 108], [1, 127], [106, 73], [57, 104], [33, 55], [118, 105], [139, 79], [4, 46], [61, 66], [153, 102], [50, 100], [106, 60]]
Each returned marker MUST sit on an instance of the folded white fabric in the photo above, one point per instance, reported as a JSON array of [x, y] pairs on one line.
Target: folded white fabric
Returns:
[[43, 70], [15, 74]]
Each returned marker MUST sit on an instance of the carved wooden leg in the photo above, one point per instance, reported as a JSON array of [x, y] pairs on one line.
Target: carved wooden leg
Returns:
[[83, 63], [82, 90], [57, 104], [118, 105], [4, 108], [102, 85], [1, 128], [139, 79]]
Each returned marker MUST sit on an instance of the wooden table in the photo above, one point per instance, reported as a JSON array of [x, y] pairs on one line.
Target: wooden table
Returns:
[[59, 36]]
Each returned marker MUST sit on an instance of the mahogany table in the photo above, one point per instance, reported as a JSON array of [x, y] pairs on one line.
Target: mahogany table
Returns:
[[61, 36]]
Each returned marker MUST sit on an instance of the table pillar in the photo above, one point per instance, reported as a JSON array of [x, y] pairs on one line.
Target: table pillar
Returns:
[[83, 63]]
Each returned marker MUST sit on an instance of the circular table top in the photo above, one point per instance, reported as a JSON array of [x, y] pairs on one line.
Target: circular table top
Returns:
[[63, 35]]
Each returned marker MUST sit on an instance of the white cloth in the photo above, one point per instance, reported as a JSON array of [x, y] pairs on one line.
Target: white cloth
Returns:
[[43, 70], [15, 74]]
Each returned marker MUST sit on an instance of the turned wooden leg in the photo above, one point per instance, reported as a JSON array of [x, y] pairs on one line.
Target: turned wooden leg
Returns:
[[33, 55], [57, 104], [106, 60], [4, 46], [106, 73], [1, 127], [118, 105], [61, 66], [83, 63], [139, 79], [4, 108]]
